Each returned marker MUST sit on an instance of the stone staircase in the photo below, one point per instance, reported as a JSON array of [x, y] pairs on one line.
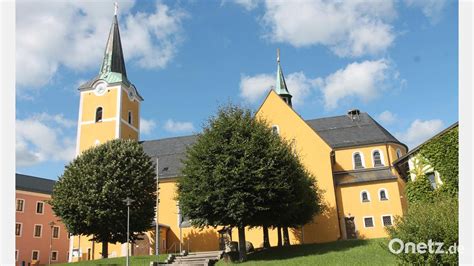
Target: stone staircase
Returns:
[[207, 258]]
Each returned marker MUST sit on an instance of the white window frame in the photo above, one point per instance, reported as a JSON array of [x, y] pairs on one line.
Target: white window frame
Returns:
[[23, 209], [36, 207], [21, 229], [382, 158], [34, 231], [368, 196], [59, 232], [57, 255], [386, 194], [362, 159], [399, 153], [373, 221], [391, 219], [277, 129], [33, 251]]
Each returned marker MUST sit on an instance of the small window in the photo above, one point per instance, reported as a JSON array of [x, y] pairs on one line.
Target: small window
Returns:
[[358, 161], [387, 220], [130, 117], [432, 178], [275, 129], [54, 255], [18, 227], [98, 114], [38, 229], [368, 222], [39, 207], [55, 232], [399, 153], [365, 196], [16, 255], [35, 255], [383, 194], [20, 205], [377, 158]]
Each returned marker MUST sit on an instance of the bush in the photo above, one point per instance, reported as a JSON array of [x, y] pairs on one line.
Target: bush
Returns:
[[419, 190], [437, 221]]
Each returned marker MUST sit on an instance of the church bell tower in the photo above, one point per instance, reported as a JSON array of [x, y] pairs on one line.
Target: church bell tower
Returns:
[[109, 105]]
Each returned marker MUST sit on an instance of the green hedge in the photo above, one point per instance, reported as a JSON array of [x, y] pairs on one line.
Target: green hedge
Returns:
[[438, 221]]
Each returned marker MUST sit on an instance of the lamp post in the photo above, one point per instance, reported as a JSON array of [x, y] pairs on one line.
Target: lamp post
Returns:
[[51, 225], [128, 201]]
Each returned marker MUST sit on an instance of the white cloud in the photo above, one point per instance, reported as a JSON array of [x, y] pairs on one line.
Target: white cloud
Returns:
[[252, 88], [73, 34], [363, 80], [348, 28], [147, 126], [247, 4], [42, 137], [432, 9], [178, 127], [420, 131], [387, 117]]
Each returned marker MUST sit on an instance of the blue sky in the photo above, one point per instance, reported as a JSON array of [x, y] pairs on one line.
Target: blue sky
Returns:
[[396, 60]]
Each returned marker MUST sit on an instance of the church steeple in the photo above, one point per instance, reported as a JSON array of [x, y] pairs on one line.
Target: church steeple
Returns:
[[113, 64], [280, 87]]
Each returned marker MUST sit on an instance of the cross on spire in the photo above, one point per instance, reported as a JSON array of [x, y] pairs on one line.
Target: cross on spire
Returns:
[[115, 8]]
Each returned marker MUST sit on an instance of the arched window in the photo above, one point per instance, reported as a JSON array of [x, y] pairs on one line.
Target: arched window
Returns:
[[364, 196], [130, 117], [98, 114], [383, 194], [358, 161], [399, 153], [275, 129], [377, 157]]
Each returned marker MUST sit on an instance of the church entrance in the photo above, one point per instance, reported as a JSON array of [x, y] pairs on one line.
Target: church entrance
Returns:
[[350, 228]]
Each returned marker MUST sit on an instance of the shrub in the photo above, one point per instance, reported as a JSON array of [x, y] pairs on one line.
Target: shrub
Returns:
[[437, 220]]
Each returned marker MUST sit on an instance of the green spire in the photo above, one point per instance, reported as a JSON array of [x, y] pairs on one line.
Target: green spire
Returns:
[[113, 65], [280, 87]]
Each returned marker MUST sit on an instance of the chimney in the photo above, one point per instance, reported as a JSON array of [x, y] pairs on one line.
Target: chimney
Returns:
[[353, 114]]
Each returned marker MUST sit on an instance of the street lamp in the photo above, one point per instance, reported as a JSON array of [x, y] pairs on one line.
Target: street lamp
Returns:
[[51, 225], [128, 201]]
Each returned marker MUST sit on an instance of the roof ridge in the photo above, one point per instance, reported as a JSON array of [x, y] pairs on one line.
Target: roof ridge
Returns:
[[167, 138]]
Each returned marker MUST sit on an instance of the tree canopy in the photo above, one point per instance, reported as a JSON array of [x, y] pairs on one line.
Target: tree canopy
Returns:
[[89, 196], [239, 173]]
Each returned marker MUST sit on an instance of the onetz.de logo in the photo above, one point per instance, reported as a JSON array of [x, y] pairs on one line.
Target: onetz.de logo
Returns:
[[397, 246]]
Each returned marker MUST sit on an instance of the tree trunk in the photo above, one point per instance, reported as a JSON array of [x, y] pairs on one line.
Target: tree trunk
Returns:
[[242, 246], [286, 237], [279, 235], [105, 249], [266, 240]]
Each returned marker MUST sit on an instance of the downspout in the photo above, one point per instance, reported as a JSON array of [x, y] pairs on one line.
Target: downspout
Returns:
[[332, 153]]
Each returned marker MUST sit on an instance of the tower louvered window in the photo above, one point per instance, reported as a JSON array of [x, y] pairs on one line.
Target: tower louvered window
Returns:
[[98, 114]]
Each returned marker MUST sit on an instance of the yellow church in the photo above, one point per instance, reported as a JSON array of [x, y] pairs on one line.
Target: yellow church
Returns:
[[350, 155]]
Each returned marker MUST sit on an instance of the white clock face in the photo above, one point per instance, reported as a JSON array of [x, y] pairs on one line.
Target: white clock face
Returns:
[[100, 88]]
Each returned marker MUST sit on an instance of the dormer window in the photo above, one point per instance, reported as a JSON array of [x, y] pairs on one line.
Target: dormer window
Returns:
[[358, 161], [130, 117], [98, 114], [377, 157]]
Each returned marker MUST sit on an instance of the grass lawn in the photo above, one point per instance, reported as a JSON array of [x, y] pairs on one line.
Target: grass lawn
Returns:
[[134, 260], [347, 252]]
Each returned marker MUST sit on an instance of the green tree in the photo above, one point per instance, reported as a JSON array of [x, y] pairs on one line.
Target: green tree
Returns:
[[238, 174], [89, 196]]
